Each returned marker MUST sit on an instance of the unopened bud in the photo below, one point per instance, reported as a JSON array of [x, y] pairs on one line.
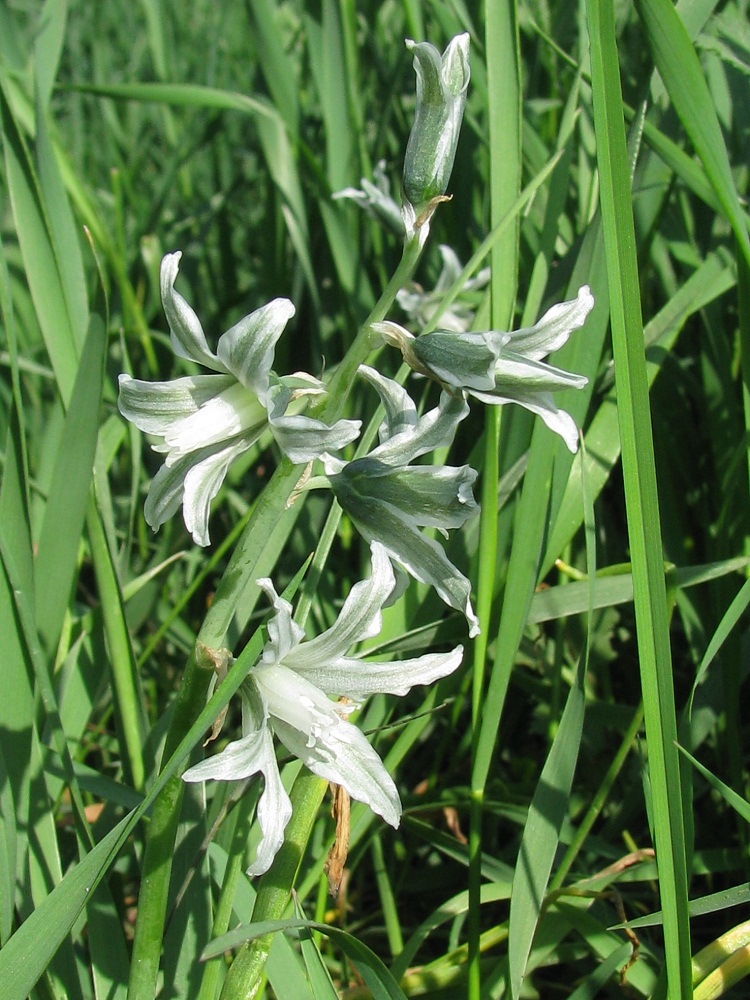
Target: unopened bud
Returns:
[[442, 82]]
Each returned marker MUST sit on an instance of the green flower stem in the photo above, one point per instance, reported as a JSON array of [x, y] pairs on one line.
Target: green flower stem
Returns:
[[241, 570], [342, 378], [246, 974], [152, 900], [191, 698]]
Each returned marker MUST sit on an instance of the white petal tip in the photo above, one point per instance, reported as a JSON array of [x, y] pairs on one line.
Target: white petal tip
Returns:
[[282, 308], [258, 868], [170, 264]]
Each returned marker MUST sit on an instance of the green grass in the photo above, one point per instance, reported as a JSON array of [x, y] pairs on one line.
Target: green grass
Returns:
[[599, 715]]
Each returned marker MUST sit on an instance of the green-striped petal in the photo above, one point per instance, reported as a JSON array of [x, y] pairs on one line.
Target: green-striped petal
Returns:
[[186, 333]]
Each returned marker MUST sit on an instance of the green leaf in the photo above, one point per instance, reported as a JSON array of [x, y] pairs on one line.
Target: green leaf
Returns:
[[57, 554], [28, 953], [641, 496], [44, 273], [681, 73], [740, 805], [541, 835], [8, 853], [181, 95], [48, 45], [319, 976], [715, 902], [377, 977]]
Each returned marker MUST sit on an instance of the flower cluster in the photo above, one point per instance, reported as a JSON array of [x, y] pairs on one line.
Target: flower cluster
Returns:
[[442, 85], [202, 422]]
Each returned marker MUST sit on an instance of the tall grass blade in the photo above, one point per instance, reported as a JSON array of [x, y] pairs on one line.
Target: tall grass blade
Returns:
[[541, 835], [641, 494], [48, 45], [57, 550], [60, 327], [25, 957], [504, 87]]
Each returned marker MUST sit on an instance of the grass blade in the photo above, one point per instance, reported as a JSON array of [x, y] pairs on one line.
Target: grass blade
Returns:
[[504, 84], [57, 551], [541, 835], [46, 281], [680, 70], [641, 494]]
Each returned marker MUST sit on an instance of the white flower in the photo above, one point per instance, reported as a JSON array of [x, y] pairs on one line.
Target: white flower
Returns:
[[390, 500], [285, 694], [375, 198], [207, 421], [497, 367]]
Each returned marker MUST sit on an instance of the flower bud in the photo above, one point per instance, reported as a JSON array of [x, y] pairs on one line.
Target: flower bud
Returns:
[[442, 82]]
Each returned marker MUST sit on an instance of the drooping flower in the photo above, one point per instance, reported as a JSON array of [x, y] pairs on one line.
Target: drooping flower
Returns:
[[442, 84], [497, 367], [375, 198], [286, 694], [420, 306], [206, 421], [390, 500]]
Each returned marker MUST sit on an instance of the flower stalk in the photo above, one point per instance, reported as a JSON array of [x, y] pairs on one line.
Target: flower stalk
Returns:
[[191, 696], [245, 977], [183, 458]]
